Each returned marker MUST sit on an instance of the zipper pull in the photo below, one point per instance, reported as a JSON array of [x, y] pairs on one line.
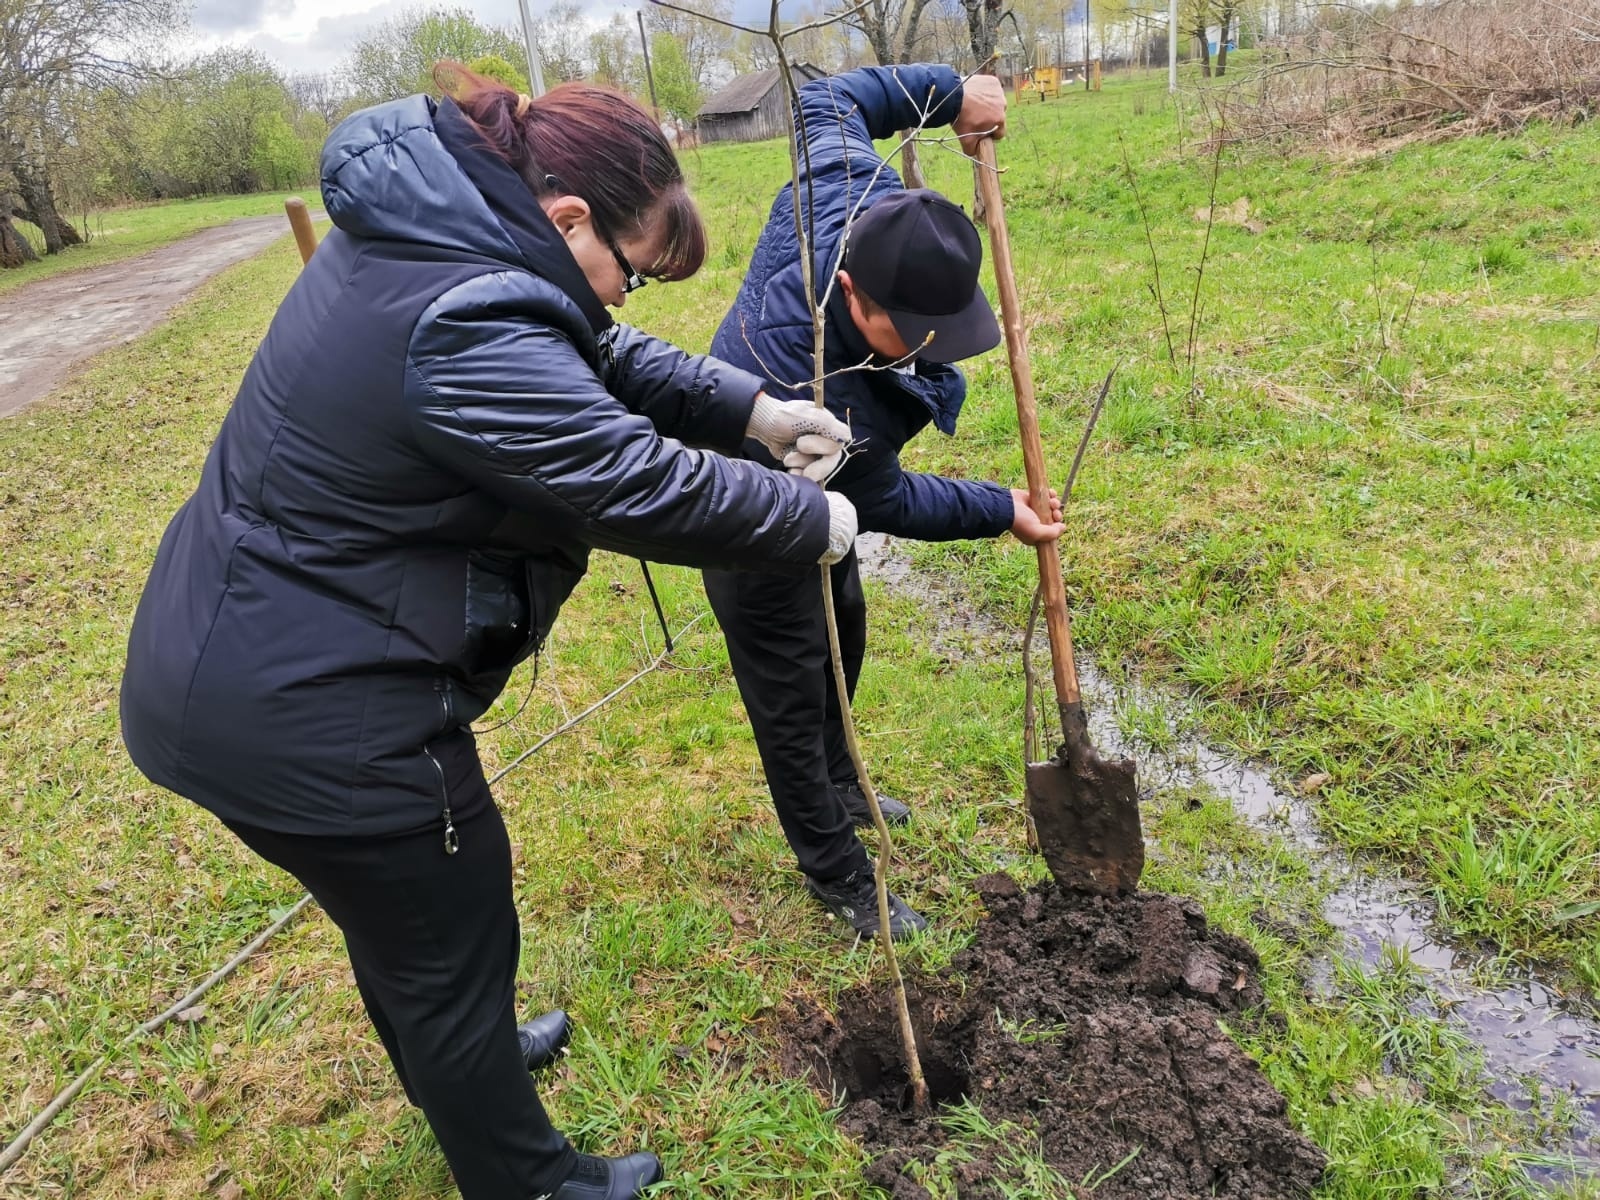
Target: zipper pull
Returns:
[[452, 843]]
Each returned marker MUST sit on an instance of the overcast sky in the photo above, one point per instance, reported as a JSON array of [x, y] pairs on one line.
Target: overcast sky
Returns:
[[313, 35]]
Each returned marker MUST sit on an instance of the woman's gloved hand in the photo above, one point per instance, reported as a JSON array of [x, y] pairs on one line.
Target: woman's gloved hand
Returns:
[[841, 529], [807, 440]]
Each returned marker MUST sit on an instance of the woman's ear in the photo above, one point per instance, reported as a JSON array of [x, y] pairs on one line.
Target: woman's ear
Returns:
[[568, 214]]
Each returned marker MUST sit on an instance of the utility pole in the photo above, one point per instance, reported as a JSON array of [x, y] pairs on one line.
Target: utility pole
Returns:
[[1086, 45], [649, 75], [535, 67], [1172, 47]]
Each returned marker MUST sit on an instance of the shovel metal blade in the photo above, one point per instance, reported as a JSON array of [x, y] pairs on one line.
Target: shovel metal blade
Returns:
[[1085, 811]]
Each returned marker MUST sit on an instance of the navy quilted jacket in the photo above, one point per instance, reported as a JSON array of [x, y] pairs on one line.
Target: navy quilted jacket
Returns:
[[768, 330], [440, 424]]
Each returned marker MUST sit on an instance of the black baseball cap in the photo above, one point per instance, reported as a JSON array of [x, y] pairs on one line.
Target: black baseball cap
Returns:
[[918, 256]]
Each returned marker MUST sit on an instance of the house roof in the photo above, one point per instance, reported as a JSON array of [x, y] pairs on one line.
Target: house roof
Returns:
[[748, 91]]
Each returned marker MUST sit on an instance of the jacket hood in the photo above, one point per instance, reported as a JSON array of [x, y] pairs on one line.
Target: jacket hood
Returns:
[[416, 171]]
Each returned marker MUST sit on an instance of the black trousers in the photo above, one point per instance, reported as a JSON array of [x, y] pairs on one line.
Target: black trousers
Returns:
[[434, 942], [777, 634]]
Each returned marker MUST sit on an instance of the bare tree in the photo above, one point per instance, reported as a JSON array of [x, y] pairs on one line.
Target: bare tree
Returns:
[[321, 95], [983, 30], [48, 51], [614, 55], [703, 29], [1225, 16], [892, 27], [1194, 20], [29, 142]]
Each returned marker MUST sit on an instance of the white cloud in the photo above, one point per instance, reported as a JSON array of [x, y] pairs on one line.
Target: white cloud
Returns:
[[313, 38], [313, 35]]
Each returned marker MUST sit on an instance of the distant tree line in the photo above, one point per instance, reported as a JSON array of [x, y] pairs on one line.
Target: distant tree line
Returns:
[[95, 111]]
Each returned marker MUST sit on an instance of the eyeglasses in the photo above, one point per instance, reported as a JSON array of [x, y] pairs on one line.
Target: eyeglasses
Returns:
[[632, 281]]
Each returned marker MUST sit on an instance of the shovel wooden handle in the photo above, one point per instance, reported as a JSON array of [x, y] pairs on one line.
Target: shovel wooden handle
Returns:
[[300, 221], [1065, 671]]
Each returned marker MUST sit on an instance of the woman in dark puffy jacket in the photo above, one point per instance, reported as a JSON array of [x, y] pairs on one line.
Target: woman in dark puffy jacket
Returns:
[[441, 423]]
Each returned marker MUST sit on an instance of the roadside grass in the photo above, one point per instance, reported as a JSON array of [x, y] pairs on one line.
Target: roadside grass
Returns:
[[118, 233], [658, 899]]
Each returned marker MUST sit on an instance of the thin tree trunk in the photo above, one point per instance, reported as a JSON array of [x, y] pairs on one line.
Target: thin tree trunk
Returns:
[[981, 28], [908, 43], [14, 248], [981, 22], [910, 164], [1222, 41]]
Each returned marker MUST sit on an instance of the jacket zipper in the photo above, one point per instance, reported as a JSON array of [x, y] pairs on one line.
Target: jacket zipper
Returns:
[[452, 842]]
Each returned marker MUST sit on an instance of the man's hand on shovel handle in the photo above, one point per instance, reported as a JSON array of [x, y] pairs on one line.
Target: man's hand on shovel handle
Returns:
[[1025, 523], [983, 112]]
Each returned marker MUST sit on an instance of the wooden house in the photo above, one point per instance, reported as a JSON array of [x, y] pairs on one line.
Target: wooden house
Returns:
[[751, 108]]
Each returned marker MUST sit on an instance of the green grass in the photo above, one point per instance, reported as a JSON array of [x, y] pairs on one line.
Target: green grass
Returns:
[[117, 233], [1365, 539]]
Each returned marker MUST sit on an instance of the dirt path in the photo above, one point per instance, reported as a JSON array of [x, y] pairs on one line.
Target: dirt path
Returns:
[[50, 327]]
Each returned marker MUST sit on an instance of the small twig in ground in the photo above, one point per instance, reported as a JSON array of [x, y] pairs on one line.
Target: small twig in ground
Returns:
[[1155, 259], [1200, 267]]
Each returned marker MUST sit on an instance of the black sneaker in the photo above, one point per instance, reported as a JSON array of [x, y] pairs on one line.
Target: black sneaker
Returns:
[[607, 1178], [854, 900], [855, 803], [543, 1038]]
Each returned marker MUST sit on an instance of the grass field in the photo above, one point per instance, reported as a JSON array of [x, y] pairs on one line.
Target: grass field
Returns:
[[118, 233], [1362, 531]]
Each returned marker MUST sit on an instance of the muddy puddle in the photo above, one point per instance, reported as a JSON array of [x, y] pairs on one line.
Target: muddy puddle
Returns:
[[1540, 1048]]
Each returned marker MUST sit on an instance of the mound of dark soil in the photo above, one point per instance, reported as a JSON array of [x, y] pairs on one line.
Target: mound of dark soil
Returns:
[[1093, 1024]]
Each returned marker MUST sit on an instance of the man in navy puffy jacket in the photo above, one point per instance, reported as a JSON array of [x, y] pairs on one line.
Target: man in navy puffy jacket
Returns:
[[905, 299]]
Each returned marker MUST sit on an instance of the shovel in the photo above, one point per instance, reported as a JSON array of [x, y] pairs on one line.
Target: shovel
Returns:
[[1085, 809]]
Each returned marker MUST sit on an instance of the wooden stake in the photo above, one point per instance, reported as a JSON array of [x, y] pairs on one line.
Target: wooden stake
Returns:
[[300, 221]]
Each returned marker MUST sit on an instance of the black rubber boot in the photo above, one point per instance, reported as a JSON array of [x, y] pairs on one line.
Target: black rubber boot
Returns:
[[854, 900], [543, 1038], [855, 803], [607, 1178]]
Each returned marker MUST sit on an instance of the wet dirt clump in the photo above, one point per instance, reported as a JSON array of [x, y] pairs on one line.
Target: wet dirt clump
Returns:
[[1091, 1023]]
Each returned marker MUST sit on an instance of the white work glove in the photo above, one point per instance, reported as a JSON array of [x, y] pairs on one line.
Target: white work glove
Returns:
[[807, 440], [841, 529]]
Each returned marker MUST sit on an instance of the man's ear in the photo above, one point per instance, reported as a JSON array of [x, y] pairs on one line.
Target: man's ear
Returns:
[[847, 286], [567, 214]]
